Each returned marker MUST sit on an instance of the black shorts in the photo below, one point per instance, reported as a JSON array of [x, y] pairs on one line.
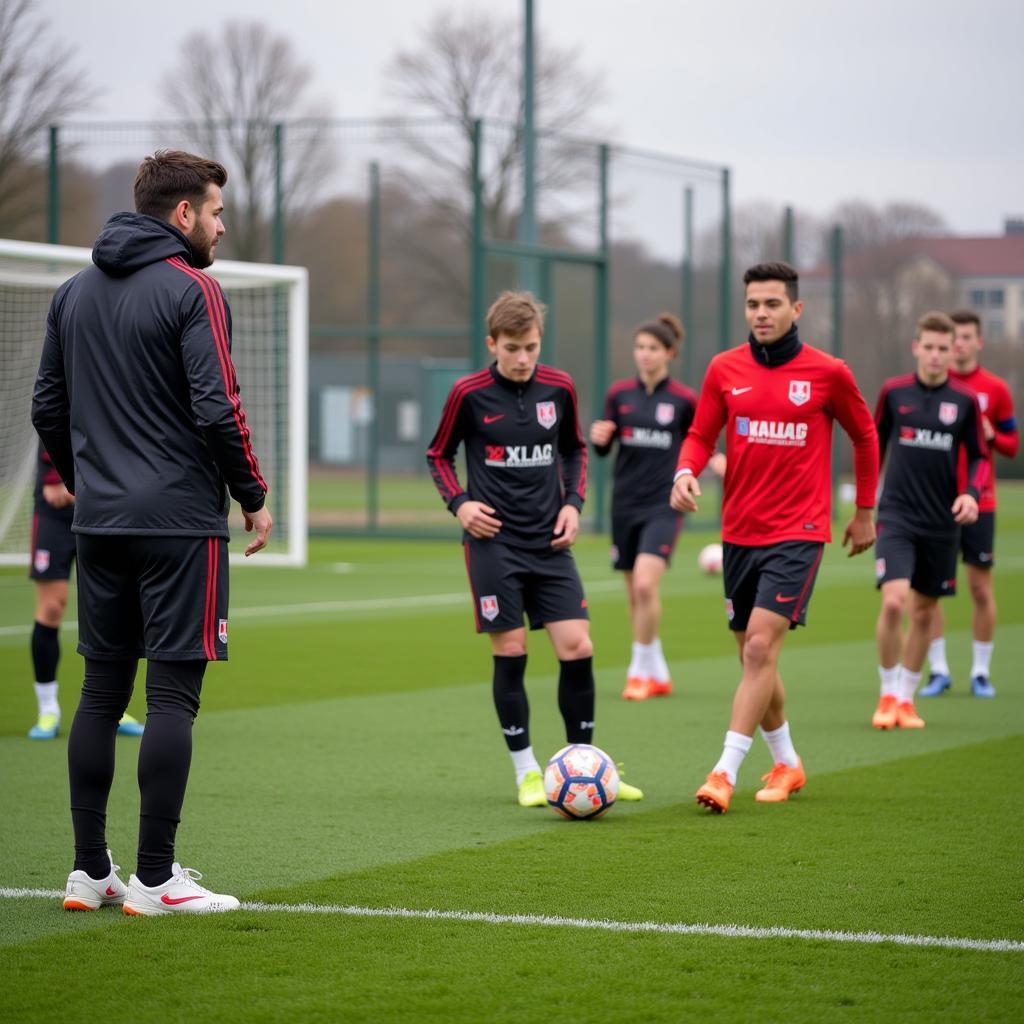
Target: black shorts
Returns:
[[53, 546], [650, 534], [506, 581], [162, 598], [779, 577], [978, 541], [928, 560]]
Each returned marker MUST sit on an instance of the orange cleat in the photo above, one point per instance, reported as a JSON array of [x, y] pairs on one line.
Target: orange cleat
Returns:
[[782, 780], [660, 688], [885, 714], [715, 793], [637, 688], [907, 717]]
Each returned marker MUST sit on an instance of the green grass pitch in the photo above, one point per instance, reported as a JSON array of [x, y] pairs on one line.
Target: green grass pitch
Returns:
[[348, 756]]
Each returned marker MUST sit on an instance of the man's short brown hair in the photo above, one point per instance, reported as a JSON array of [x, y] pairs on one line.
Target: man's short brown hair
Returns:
[[775, 271], [935, 321], [514, 313], [966, 316], [169, 176]]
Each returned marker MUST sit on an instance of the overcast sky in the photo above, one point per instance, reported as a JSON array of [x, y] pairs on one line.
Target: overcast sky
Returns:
[[808, 101]]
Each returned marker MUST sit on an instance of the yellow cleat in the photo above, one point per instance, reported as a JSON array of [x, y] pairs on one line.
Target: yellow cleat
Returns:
[[531, 791], [782, 780], [885, 714], [716, 793]]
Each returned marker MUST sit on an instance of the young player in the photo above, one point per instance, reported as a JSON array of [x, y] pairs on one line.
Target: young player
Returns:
[[137, 403], [526, 462], [977, 540], [777, 399], [648, 415], [928, 416], [53, 553]]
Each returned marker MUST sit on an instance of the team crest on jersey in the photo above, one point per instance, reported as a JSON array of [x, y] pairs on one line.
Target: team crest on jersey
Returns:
[[983, 401], [489, 607], [222, 630], [879, 568], [730, 614], [42, 560], [947, 413], [546, 414], [799, 391], [665, 413]]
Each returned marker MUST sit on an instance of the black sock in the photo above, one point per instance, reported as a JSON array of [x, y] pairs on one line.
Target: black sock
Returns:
[[165, 756], [576, 699], [510, 700], [45, 652], [105, 694]]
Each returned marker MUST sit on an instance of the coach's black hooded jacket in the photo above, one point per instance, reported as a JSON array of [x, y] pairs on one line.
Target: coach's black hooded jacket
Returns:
[[136, 399]]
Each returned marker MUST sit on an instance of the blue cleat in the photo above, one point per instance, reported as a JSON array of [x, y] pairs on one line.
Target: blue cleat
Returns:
[[46, 728], [938, 683], [129, 726], [981, 687]]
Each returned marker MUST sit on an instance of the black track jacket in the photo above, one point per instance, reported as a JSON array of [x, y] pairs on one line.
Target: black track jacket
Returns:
[[136, 398]]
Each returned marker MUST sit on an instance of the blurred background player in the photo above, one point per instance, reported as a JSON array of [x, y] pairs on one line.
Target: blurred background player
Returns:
[[977, 539], [53, 552], [526, 461], [648, 415], [777, 399], [927, 416]]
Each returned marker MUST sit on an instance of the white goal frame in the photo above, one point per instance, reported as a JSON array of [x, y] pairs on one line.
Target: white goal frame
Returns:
[[231, 274]]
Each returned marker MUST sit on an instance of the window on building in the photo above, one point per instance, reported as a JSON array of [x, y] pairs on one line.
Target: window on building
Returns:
[[994, 299], [977, 298]]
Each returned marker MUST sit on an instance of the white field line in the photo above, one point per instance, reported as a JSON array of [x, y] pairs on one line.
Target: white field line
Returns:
[[728, 931], [371, 604]]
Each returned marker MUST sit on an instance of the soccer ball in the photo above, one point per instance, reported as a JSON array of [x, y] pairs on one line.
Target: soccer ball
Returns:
[[581, 781], [710, 559]]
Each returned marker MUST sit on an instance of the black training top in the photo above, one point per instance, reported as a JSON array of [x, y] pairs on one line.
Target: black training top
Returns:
[[649, 428], [525, 455], [136, 399], [927, 425]]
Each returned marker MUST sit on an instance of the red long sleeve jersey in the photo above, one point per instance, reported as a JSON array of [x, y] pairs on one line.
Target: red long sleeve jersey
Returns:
[[997, 407], [778, 421], [525, 454]]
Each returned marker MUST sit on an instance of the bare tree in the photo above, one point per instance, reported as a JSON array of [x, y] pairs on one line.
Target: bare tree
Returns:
[[232, 91], [39, 85]]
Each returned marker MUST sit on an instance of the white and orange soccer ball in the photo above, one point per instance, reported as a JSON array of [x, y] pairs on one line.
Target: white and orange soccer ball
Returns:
[[581, 781], [710, 559]]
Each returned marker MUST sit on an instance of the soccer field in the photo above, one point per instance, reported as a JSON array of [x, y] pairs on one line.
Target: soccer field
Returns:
[[350, 783]]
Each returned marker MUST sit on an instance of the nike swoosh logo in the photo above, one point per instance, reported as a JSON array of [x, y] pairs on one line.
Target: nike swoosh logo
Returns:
[[110, 891], [174, 901], [785, 600], [494, 419], [740, 391]]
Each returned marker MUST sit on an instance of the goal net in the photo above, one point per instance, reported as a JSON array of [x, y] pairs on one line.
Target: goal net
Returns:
[[269, 308]]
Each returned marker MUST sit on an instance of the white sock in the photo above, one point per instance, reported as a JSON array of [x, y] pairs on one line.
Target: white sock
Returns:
[[46, 698], [659, 669], [906, 685], [781, 745], [524, 762], [982, 658], [643, 660], [937, 656], [890, 679], [735, 749]]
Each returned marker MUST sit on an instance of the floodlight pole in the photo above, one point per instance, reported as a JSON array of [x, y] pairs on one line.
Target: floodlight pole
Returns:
[[687, 315], [725, 269], [788, 236], [373, 320], [277, 235], [528, 216], [53, 191]]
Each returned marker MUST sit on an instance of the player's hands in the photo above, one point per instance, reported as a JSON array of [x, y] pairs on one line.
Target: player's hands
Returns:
[[685, 492], [567, 525], [261, 523], [717, 464], [986, 426], [57, 496], [859, 532], [965, 510], [602, 432], [478, 520]]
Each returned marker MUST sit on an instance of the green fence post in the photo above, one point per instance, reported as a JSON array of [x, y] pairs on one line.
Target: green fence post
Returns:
[[373, 321], [277, 237], [53, 190], [725, 270], [478, 258], [601, 368], [686, 313], [788, 236], [836, 257]]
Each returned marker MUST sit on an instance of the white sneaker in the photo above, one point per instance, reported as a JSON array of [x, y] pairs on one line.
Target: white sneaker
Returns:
[[180, 894], [85, 893]]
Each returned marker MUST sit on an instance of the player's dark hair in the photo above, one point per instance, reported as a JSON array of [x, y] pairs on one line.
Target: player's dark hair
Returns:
[[777, 271], [935, 321], [514, 313], [666, 328], [966, 316], [170, 176]]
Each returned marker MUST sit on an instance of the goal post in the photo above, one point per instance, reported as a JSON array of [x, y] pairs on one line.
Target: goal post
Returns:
[[270, 338]]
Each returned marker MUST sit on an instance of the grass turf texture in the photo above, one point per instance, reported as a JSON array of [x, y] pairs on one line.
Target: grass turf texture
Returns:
[[348, 754]]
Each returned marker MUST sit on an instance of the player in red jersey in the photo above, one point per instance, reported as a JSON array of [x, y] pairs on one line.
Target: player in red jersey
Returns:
[[777, 399], [648, 415], [977, 541]]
